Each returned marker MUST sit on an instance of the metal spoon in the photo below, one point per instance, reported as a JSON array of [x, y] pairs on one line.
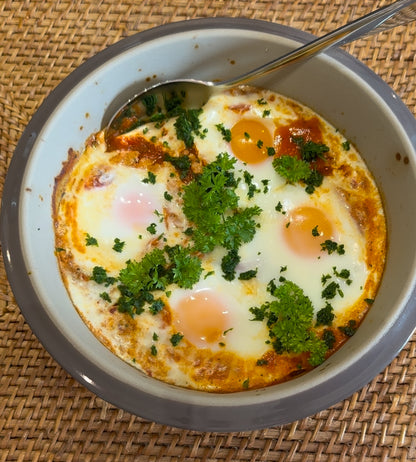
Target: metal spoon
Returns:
[[134, 112]]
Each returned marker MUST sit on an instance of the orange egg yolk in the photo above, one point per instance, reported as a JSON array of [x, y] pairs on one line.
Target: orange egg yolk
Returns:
[[249, 141], [306, 229], [202, 318]]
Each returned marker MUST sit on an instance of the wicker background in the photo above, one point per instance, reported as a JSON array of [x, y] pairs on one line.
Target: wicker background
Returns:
[[47, 416]]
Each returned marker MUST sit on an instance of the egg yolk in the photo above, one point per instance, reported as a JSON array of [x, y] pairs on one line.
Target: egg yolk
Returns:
[[306, 229], [202, 318], [135, 209], [249, 141]]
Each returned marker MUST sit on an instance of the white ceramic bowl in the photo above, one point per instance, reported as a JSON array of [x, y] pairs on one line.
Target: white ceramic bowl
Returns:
[[338, 87]]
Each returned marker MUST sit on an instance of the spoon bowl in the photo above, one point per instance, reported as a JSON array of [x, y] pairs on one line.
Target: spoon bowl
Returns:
[[151, 103]]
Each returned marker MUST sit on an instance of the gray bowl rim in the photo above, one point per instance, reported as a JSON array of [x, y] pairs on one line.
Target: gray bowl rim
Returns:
[[217, 418]]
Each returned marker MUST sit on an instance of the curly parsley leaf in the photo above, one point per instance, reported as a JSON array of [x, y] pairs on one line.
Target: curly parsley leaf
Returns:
[[186, 267], [289, 318], [147, 274], [291, 168], [211, 205]]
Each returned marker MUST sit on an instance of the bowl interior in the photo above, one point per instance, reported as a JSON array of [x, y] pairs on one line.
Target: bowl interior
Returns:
[[339, 88]]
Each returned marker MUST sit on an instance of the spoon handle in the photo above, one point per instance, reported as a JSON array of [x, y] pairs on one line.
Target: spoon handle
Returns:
[[400, 12]]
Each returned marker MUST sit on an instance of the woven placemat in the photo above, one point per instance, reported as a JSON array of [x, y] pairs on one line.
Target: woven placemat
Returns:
[[45, 415]]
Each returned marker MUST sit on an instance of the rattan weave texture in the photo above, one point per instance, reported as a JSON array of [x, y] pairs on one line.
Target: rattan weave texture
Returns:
[[44, 414]]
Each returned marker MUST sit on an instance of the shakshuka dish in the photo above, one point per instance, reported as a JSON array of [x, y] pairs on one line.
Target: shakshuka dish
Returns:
[[223, 248]]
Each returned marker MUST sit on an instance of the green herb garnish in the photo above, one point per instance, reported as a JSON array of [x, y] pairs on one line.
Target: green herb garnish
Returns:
[[289, 317], [325, 316], [151, 178], [118, 245], [176, 338], [332, 246], [187, 125], [89, 240], [225, 132], [309, 150], [350, 328], [152, 228], [99, 275], [247, 275], [181, 163]]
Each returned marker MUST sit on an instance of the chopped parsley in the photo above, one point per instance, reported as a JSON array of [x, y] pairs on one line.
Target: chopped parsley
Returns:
[[248, 180], [156, 306], [343, 274], [329, 338], [265, 186], [118, 245], [153, 350], [149, 101], [313, 181], [225, 132], [89, 240], [309, 150], [181, 163], [346, 145], [229, 263], [151, 228], [151, 178], [325, 278], [99, 275], [247, 275], [350, 328], [176, 338], [167, 196], [279, 208], [188, 125], [332, 289], [332, 246], [325, 316], [105, 297]]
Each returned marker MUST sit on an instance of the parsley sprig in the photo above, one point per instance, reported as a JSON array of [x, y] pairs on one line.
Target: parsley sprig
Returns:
[[301, 170], [296, 171], [289, 317], [139, 280], [211, 205]]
